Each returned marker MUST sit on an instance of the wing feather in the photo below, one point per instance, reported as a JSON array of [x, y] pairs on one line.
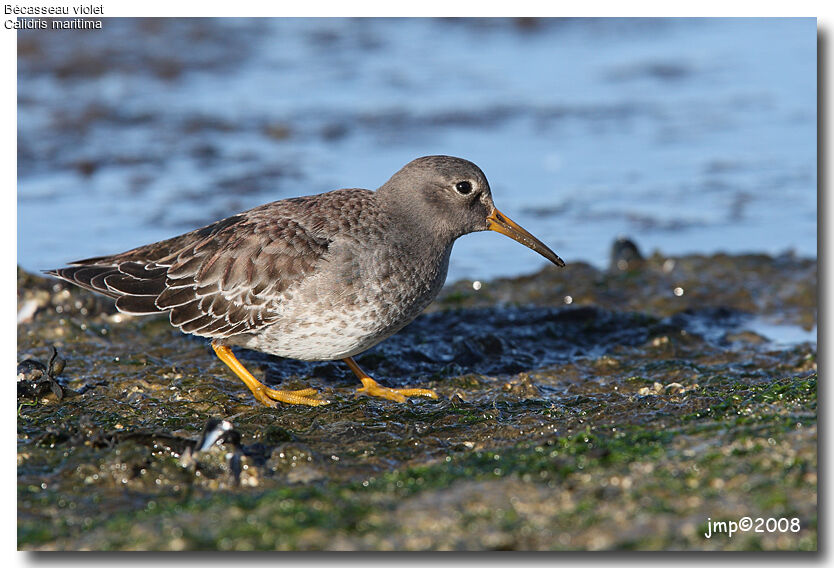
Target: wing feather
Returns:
[[136, 305], [227, 278]]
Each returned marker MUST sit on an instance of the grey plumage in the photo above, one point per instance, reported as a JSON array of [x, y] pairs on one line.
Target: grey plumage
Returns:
[[318, 277]]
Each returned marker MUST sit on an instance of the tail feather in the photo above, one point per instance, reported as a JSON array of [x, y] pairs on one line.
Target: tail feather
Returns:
[[89, 277], [131, 286], [137, 305], [143, 269], [172, 275], [134, 295]]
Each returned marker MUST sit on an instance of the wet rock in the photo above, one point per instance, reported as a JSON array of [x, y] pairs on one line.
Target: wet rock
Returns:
[[36, 294], [34, 379], [218, 442], [622, 393], [745, 336], [625, 256], [523, 387]]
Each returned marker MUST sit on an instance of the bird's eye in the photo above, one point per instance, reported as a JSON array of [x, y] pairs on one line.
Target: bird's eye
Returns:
[[463, 187]]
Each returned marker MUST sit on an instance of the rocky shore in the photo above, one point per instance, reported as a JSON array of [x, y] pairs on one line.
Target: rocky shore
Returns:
[[580, 409]]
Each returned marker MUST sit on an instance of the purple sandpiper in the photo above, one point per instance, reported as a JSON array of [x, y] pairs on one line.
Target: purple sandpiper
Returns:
[[316, 278]]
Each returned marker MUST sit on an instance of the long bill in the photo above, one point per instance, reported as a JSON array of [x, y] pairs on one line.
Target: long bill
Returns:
[[500, 223]]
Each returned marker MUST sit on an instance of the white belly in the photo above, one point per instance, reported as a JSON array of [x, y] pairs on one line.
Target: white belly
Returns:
[[321, 320], [319, 337]]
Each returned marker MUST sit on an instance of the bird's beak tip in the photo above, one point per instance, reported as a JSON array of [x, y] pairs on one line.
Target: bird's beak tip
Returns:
[[500, 223]]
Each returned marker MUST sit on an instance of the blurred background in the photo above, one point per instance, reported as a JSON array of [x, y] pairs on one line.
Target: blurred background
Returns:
[[687, 135]]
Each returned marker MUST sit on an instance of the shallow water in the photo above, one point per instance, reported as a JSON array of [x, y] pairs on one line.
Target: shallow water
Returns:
[[693, 135]]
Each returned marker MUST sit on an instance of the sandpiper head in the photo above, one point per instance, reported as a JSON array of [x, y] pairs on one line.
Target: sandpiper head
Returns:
[[454, 198]]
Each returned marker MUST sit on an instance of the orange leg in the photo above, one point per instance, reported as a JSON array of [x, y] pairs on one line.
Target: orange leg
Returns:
[[372, 388], [263, 393]]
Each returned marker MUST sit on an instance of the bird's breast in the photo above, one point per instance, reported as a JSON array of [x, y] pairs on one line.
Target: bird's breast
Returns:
[[357, 298]]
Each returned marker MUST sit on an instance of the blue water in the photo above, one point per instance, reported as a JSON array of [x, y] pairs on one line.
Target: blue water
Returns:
[[687, 135]]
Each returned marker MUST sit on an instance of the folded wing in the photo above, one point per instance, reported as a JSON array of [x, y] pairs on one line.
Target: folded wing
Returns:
[[223, 279]]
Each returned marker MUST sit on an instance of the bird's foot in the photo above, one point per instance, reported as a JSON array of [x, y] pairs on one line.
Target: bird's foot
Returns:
[[271, 397], [264, 394], [372, 388]]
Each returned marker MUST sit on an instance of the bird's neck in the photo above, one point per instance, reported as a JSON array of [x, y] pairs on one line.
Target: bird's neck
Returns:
[[415, 230]]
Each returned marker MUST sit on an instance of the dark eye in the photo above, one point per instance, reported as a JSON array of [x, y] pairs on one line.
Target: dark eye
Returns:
[[463, 187]]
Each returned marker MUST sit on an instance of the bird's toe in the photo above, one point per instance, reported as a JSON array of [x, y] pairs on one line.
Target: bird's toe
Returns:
[[372, 388]]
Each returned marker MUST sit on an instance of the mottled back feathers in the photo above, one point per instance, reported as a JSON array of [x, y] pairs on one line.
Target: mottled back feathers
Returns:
[[228, 277]]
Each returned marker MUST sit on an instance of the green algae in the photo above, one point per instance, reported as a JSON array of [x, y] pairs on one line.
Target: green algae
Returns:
[[582, 426]]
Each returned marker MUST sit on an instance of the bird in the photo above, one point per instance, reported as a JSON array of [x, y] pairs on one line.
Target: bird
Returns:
[[318, 278]]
